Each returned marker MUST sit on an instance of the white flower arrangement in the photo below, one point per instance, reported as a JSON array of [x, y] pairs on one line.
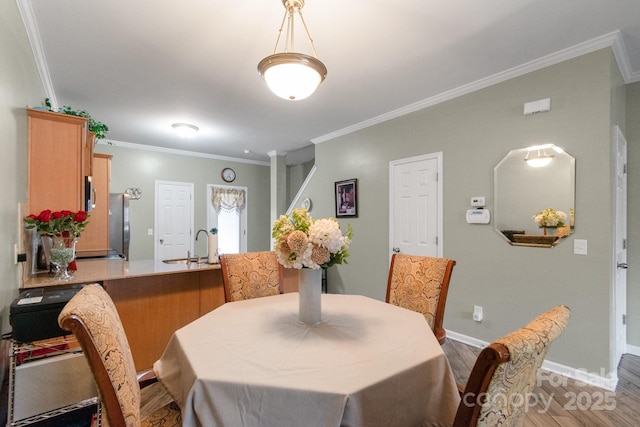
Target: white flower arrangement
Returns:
[[302, 242], [550, 218]]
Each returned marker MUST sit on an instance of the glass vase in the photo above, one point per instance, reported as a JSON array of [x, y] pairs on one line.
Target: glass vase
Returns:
[[63, 251]]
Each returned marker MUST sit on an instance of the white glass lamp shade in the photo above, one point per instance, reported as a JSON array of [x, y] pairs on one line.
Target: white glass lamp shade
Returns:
[[292, 76], [185, 130]]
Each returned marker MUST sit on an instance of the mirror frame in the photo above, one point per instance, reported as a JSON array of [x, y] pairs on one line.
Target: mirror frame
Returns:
[[530, 186]]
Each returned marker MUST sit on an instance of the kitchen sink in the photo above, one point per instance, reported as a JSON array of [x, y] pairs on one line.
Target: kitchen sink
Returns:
[[200, 260]]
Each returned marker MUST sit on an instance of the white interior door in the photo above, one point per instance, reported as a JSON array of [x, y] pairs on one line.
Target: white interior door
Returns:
[[174, 219], [620, 291], [415, 205]]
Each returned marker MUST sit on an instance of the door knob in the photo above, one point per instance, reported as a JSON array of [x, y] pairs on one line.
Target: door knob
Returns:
[[622, 265], [396, 250], [161, 241]]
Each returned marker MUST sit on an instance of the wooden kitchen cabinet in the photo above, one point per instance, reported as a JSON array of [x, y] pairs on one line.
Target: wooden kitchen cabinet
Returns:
[[152, 308], [59, 158], [96, 235]]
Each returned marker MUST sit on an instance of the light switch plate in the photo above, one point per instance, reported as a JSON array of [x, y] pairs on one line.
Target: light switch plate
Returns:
[[580, 247]]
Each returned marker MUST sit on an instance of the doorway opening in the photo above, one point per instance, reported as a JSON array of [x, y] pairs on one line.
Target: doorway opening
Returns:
[[227, 212]]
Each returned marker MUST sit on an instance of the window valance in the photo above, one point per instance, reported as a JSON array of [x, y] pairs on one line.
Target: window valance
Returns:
[[228, 199]]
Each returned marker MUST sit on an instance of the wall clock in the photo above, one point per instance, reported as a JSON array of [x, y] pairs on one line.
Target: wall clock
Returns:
[[228, 175]]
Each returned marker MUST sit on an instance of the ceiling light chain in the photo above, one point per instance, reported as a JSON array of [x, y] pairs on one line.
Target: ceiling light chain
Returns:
[[293, 7]]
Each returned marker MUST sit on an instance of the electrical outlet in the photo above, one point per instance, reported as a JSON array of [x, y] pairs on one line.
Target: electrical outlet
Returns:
[[477, 313]]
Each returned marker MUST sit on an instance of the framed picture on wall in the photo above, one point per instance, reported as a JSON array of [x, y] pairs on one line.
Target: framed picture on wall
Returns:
[[347, 198]]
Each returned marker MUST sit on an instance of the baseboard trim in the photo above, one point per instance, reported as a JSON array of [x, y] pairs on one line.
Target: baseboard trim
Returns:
[[633, 349], [602, 379]]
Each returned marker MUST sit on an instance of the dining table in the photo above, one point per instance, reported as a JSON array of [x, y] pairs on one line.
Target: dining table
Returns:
[[253, 363]]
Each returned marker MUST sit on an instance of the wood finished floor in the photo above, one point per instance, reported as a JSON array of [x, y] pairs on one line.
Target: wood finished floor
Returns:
[[572, 403]]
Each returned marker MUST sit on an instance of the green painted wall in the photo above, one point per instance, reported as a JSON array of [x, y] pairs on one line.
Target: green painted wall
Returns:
[[475, 132], [295, 178], [141, 168], [20, 86]]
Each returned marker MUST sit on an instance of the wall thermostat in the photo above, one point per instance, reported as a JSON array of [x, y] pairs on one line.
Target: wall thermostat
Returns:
[[478, 216], [478, 202]]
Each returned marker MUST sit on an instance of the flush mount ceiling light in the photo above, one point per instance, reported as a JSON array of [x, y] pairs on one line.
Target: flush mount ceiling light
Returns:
[[537, 157], [291, 75], [185, 130]]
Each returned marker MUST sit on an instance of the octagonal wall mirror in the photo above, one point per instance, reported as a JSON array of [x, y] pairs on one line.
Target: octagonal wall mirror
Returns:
[[528, 181]]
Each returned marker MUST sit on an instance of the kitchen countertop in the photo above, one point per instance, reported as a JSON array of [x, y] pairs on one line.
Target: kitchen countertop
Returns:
[[96, 270]]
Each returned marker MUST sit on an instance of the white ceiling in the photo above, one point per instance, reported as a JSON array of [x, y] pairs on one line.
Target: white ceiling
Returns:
[[139, 66]]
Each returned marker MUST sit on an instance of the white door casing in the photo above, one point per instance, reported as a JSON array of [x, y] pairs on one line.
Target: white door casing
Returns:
[[620, 286], [415, 205], [173, 219]]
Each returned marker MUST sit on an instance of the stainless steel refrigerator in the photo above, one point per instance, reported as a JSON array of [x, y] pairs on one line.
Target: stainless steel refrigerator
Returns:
[[119, 231]]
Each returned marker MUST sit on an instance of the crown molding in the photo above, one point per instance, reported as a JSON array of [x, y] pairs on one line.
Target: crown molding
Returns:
[[622, 58], [29, 19], [613, 40], [145, 147]]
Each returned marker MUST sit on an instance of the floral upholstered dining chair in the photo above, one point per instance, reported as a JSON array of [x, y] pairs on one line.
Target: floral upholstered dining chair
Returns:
[[505, 373], [251, 275], [93, 319], [421, 283]]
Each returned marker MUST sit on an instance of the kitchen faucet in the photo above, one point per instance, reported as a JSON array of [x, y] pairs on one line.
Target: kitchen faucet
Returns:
[[200, 231], [197, 259]]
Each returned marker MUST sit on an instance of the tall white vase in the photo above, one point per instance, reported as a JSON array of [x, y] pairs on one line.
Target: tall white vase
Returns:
[[310, 293]]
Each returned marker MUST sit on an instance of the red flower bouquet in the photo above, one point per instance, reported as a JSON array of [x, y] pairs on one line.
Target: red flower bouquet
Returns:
[[64, 227], [65, 223]]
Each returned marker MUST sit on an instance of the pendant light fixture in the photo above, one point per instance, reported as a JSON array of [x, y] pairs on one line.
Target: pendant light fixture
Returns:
[[289, 74]]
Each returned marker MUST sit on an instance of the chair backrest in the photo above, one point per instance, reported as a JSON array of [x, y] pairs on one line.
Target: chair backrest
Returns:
[[421, 283], [505, 373], [251, 275], [93, 319]]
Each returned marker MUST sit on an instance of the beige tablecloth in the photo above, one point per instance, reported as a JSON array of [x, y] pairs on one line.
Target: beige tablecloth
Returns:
[[251, 363]]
